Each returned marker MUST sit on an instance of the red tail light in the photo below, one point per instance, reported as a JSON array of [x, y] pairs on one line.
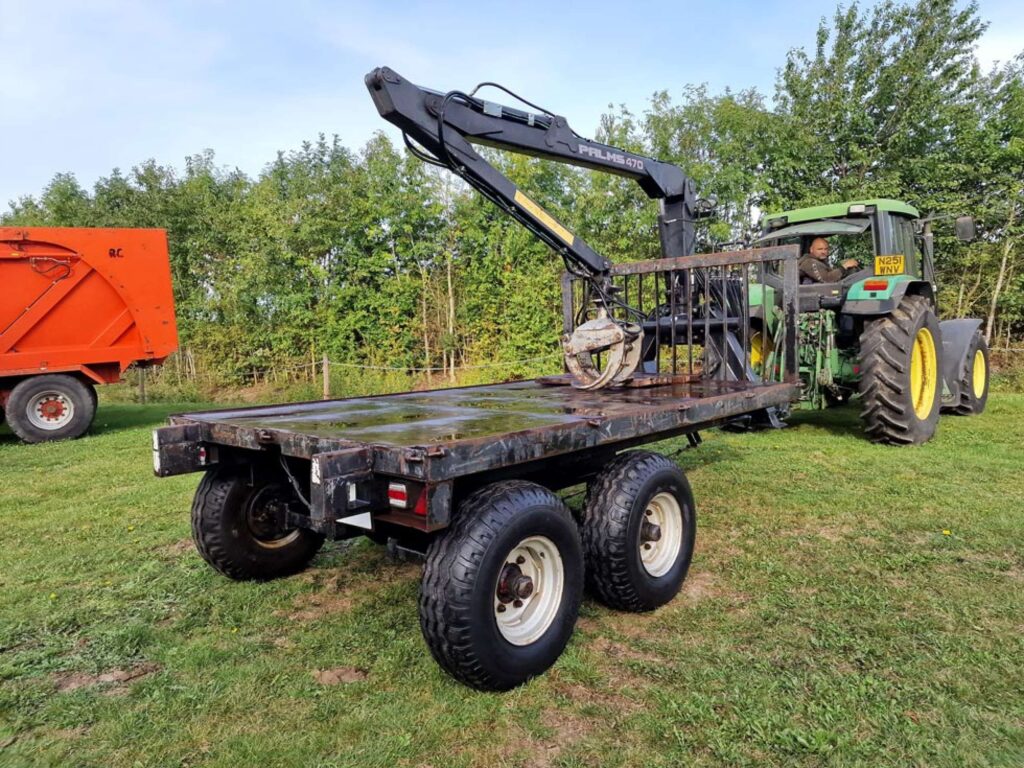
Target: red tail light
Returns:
[[398, 495], [876, 285]]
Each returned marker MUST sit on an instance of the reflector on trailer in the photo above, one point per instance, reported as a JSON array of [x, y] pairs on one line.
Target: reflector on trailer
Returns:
[[876, 285], [398, 495], [421, 504]]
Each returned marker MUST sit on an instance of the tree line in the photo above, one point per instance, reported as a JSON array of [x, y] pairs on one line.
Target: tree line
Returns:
[[372, 257]]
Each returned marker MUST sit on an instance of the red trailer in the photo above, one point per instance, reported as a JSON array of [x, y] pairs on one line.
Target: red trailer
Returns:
[[77, 307]]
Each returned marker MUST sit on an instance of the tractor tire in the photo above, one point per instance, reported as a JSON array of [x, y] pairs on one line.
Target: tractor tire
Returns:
[[636, 493], [234, 530], [900, 386], [974, 382], [502, 586], [50, 407]]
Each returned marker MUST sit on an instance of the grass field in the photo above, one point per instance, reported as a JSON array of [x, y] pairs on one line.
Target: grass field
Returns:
[[848, 605]]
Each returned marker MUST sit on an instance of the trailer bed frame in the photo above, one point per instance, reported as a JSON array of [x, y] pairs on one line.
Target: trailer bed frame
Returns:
[[446, 442]]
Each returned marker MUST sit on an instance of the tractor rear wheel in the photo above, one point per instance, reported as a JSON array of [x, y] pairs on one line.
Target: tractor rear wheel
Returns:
[[900, 385], [974, 381]]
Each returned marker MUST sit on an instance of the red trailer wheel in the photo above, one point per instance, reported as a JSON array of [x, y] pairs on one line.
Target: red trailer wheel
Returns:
[[51, 407]]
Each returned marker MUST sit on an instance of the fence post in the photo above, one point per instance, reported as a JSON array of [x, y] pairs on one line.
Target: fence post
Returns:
[[327, 377], [142, 386]]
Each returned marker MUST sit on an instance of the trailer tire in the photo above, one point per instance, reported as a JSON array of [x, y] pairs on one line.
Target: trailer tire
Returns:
[[975, 379], [635, 490], [233, 532], [483, 623], [898, 351], [50, 407]]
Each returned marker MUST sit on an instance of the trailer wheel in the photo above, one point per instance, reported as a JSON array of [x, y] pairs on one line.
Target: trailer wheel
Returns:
[[900, 385], [502, 586], [639, 527], [974, 382], [235, 531], [50, 407]]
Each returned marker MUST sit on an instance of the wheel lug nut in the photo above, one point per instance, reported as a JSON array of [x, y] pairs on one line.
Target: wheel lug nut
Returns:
[[647, 546], [501, 609], [517, 603], [520, 560]]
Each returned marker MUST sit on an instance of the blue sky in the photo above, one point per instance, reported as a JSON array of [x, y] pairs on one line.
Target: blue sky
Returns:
[[89, 86]]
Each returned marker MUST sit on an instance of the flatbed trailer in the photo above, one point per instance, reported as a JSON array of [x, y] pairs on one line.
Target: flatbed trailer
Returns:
[[466, 476]]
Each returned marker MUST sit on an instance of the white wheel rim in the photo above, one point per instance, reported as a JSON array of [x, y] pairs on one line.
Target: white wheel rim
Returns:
[[523, 619], [50, 410], [659, 554]]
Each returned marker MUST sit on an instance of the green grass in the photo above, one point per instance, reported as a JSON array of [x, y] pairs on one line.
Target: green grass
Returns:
[[849, 604]]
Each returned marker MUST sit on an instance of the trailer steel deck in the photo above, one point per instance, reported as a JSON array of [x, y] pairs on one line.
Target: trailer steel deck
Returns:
[[439, 436]]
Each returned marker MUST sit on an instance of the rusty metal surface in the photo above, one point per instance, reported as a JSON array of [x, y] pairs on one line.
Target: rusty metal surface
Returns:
[[702, 260], [444, 433], [471, 413]]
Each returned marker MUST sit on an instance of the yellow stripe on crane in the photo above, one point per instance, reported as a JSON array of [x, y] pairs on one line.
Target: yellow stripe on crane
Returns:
[[544, 218]]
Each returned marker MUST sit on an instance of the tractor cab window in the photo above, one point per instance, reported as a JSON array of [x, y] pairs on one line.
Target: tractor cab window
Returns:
[[849, 241], [857, 247], [907, 243]]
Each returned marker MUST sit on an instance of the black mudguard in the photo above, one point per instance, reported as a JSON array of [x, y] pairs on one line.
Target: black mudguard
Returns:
[[956, 340]]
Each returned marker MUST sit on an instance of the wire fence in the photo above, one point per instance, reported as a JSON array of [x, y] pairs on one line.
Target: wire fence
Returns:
[[319, 364]]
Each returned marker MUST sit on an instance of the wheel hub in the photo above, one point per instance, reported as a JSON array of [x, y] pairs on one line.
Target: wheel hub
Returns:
[[661, 534], [923, 373], [979, 373], [50, 410], [513, 584], [649, 532], [262, 519], [528, 591]]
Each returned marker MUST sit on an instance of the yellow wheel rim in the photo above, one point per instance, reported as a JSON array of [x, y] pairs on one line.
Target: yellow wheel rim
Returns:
[[979, 373], [923, 373], [760, 346]]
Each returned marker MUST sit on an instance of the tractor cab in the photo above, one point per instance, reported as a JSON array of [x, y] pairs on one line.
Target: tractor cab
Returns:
[[885, 246]]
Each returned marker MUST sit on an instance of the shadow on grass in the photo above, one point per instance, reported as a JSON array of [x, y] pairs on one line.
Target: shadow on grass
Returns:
[[842, 420]]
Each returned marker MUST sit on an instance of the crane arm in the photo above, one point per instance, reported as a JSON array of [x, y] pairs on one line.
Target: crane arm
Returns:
[[447, 125]]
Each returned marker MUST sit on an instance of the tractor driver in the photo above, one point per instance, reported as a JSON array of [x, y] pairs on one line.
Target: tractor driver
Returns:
[[814, 265]]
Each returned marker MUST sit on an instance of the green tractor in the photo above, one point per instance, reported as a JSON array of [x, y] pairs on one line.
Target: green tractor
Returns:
[[868, 322]]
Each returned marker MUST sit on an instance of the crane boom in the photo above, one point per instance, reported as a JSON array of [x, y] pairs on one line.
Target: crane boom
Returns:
[[446, 125]]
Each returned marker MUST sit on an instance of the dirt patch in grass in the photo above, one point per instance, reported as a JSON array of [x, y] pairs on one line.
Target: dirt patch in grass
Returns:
[[611, 649], [700, 586], [339, 675], [612, 701], [177, 549], [340, 592], [568, 729], [319, 604], [115, 682], [71, 733]]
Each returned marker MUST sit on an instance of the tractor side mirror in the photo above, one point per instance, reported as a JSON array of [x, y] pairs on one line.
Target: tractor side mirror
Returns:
[[965, 229]]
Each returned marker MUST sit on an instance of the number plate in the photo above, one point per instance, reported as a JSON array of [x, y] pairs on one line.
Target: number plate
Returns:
[[890, 265]]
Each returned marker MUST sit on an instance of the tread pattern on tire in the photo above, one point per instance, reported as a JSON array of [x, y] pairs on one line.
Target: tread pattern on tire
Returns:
[[210, 536], [446, 614], [885, 347], [605, 536]]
